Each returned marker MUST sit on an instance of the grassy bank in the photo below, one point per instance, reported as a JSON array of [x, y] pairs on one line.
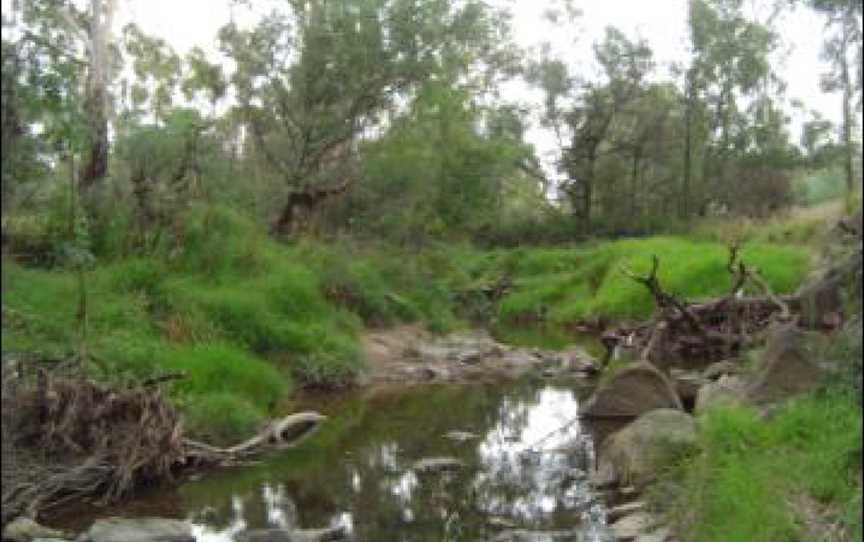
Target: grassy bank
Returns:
[[249, 319], [795, 477]]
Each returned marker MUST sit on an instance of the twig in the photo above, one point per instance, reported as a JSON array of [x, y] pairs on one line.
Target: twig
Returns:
[[549, 434], [163, 378]]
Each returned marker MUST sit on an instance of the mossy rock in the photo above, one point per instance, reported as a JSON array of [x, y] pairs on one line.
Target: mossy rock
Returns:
[[654, 441], [789, 366], [632, 391]]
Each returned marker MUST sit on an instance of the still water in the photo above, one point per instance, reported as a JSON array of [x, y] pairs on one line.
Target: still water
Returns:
[[521, 470]]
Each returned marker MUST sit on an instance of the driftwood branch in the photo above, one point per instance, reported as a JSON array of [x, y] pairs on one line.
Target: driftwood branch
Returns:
[[156, 380], [282, 433], [663, 299], [743, 273]]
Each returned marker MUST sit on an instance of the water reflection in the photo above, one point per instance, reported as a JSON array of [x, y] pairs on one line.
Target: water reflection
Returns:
[[521, 470], [530, 468]]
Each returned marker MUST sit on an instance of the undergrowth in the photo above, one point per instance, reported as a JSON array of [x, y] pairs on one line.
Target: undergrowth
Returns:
[[218, 299]]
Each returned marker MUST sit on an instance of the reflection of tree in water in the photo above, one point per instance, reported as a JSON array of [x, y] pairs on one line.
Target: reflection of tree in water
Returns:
[[359, 471], [534, 486]]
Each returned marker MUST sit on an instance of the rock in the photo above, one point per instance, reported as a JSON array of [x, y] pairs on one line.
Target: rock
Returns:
[[437, 464], [687, 384], [616, 513], [628, 491], [500, 523], [820, 300], [720, 368], [328, 534], [574, 475], [629, 527], [631, 392], [138, 530], [604, 477], [24, 529], [728, 390], [521, 535], [653, 441], [578, 361], [658, 535], [460, 436], [788, 366]]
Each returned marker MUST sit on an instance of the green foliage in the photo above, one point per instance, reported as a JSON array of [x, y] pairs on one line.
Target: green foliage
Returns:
[[819, 186], [435, 176]]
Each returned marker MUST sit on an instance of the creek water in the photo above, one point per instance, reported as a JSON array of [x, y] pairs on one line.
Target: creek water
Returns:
[[526, 466], [521, 469]]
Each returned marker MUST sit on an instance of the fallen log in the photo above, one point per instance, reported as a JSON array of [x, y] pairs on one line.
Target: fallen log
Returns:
[[280, 434], [704, 331]]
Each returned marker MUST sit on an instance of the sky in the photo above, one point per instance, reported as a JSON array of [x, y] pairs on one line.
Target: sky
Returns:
[[663, 23]]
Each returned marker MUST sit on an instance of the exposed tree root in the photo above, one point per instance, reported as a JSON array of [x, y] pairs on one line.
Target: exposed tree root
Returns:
[[70, 438]]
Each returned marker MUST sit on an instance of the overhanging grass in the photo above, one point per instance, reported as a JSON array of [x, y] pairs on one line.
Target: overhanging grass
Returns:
[[743, 485]]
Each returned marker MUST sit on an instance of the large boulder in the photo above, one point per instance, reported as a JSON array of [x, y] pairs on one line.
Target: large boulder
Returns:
[[138, 530], [727, 390], [789, 365], [631, 392], [821, 301], [652, 442]]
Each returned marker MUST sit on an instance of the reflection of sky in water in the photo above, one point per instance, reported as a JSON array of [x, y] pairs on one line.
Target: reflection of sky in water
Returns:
[[524, 467], [535, 461]]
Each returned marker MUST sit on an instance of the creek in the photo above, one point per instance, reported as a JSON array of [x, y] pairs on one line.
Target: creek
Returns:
[[524, 467]]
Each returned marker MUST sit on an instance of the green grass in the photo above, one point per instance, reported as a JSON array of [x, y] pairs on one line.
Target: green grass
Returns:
[[747, 482], [566, 285]]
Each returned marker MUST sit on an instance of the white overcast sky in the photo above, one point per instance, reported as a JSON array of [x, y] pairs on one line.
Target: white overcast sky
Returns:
[[187, 23]]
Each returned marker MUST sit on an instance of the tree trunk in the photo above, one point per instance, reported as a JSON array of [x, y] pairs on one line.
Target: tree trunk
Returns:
[[684, 210], [588, 188], [95, 165], [300, 204], [634, 175], [847, 112]]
